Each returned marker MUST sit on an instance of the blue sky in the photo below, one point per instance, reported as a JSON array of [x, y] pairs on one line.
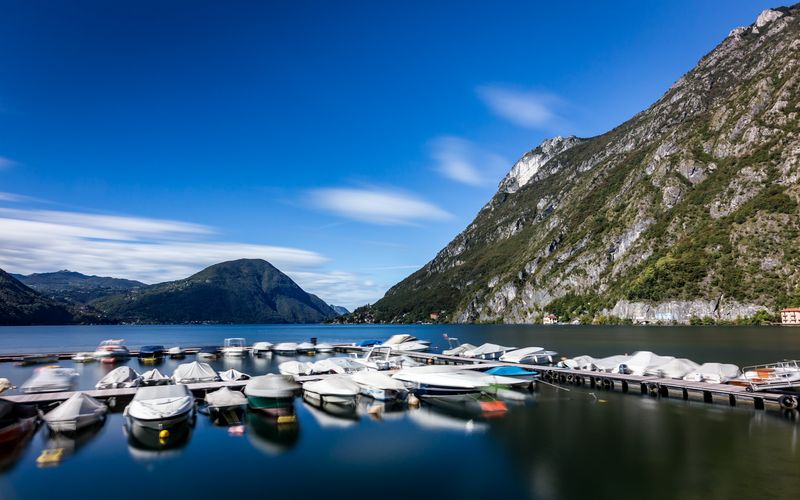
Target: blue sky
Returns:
[[346, 142]]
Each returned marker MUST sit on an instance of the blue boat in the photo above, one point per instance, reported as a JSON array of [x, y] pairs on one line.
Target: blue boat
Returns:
[[512, 371], [368, 343], [152, 353]]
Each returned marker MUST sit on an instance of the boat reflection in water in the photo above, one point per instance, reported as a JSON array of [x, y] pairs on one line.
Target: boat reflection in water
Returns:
[[380, 410], [69, 443], [330, 414], [273, 434], [146, 443], [18, 423]]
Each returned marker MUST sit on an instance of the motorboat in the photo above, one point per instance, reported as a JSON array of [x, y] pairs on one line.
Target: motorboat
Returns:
[[480, 406], [489, 382], [154, 377], [583, 362], [285, 348], [176, 353], [51, 379], [437, 380], [17, 421], [677, 369], [160, 407], [328, 366], [233, 375], [379, 386], [38, 359], [487, 351], [120, 377], [336, 389], [112, 351], [713, 373], [295, 368], [194, 372], [406, 343], [642, 361], [612, 364], [76, 413], [328, 415], [225, 398], [324, 347], [306, 348], [512, 371], [208, 352], [234, 348], [83, 357], [271, 393], [377, 358], [367, 343], [456, 347], [782, 375], [261, 348], [146, 444], [529, 356], [151, 353]]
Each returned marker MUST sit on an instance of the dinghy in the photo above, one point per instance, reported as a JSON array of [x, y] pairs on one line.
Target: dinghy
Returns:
[[118, 378], [379, 386], [339, 389], [77, 412], [51, 379], [154, 377], [194, 372], [529, 356], [160, 407], [297, 368], [233, 375]]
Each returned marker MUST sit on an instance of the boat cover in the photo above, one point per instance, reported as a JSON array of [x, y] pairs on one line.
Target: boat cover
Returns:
[[224, 398], [459, 350], [333, 386], [51, 379], [153, 377], [262, 346], [78, 405], [510, 371], [306, 346], [188, 373], [285, 347], [487, 348], [271, 386], [517, 355], [295, 368], [580, 363], [233, 375], [641, 361], [410, 346], [377, 380], [677, 368], [715, 373], [327, 366], [5, 385], [123, 376], [324, 347], [160, 402]]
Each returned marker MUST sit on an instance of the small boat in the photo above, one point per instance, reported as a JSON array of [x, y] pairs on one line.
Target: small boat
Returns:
[[38, 359], [234, 348], [120, 377], [261, 348], [208, 352], [111, 351], [51, 379], [512, 371], [176, 353], [285, 348], [225, 406], [713, 373], [368, 343], [379, 386], [271, 393], [233, 375], [160, 407], [306, 348], [154, 377], [782, 375], [407, 343], [677, 369], [377, 358], [339, 390], [83, 357], [295, 368], [151, 353], [327, 366], [76, 413], [17, 421], [529, 356], [194, 372], [456, 347], [487, 351], [324, 347], [438, 380]]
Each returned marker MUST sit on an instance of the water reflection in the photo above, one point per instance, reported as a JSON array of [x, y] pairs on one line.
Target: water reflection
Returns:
[[331, 415], [146, 443], [70, 443], [272, 435]]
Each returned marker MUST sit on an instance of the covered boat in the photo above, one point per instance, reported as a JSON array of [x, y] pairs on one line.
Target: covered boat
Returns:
[[234, 348], [51, 379], [233, 375], [295, 368], [151, 353], [611, 364], [459, 349], [324, 347], [176, 352], [111, 351], [379, 386], [641, 361], [512, 371], [713, 373], [83, 357], [306, 348], [194, 372], [161, 407], [677, 368], [437, 380], [339, 389], [406, 343], [271, 393], [77, 412], [377, 358], [580, 363], [285, 348], [260, 348], [529, 356], [154, 377], [121, 377], [324, 366], [487, 351], [17, 421], [225, 398], [208, 352]]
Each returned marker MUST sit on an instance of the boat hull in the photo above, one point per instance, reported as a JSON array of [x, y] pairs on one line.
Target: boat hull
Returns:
[[162, 424]]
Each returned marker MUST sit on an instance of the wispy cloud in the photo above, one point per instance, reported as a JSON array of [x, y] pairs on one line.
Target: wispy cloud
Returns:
[[525, 108], [463, 161], [376, 206], [339, 287], [6, 163]]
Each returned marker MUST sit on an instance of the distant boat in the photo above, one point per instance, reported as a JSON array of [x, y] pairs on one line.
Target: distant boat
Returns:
[[336, 389], [38, 359], [121, 377], [234, 348], [151, 353], [160, 407], [271, 393], [176, 353], [529, 356], [51, 379], [83, 357], [261, 348], [208, 352], [155, 377], [324, 347], [111, 351], [194, 372], [487, 351], [379, 386], [306, 348], [285, 348], [405, 342], [76, 413]]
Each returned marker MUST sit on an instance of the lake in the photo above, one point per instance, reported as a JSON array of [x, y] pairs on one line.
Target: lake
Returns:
[[558, 444]]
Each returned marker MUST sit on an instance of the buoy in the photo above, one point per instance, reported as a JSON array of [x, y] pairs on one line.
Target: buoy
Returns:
[[413, 401], [163, 434]]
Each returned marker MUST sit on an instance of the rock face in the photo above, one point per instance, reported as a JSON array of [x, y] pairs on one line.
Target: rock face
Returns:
[[687, 209], [239, 291], [69, 286]]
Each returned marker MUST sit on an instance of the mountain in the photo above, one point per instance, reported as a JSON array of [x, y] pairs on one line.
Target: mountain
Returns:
[[688, 210], [240, 291], [340, 310], [69, 286], [20, 305]]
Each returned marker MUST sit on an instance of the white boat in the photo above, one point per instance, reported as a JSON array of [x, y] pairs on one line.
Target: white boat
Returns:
[[324, 347], [234, 348], [175, 352], [677, 368], [119, 378], [529, 356], [224, 399], [285, 348], [713, 373], [154, 377], [579, 363], [111, 351], [83, 357], [487, 380], [77, 412], [51, 379], [781, 375], [260, 348], [194, 372], [377, 358], [436, 380], [295, 368], [642, 361], [324, 366], [405, 342], [161, 407], [306, 348], [617, 363], [459, 349], [271, 386], [339, 389], [233, 375], [487, 351], [379, 386]]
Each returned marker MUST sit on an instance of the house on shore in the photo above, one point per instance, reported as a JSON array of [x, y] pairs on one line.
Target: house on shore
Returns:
[[790, 316], [549, 319]]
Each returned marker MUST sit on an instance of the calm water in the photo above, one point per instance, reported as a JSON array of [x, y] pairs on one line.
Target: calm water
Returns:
[[559, 445]]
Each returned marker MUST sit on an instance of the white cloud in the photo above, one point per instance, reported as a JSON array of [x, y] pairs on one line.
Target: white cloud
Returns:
[[6, 163], [376, 206], [524, 108], [339, 287], [465, 162]]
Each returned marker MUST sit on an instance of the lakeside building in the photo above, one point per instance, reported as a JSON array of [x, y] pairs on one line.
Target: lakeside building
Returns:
[[790, 316], [549, 319]]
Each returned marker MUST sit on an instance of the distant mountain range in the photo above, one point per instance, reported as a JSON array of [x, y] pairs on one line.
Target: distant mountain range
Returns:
[[241, 291], [340, 310]]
